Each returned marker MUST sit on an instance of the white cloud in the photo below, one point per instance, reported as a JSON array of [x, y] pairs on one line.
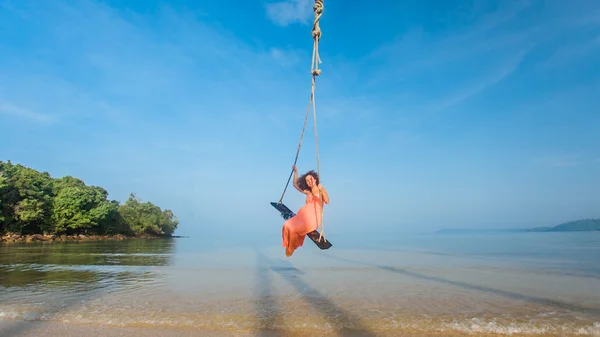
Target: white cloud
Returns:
[[414, 51], [559, 161], [286, 57], [424, 65], [570, 53], [289, 11], [496, 76], [14, 110], [126, 68]]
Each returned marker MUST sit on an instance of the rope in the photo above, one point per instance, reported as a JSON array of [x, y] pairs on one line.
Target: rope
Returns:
[[297, 151], [316, 34], [315, 71]]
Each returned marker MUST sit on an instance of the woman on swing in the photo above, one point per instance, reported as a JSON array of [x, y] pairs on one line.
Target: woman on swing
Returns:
[[308, 217]]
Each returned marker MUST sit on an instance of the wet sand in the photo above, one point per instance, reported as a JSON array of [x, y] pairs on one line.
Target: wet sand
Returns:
[[17, 328], [10, 328]]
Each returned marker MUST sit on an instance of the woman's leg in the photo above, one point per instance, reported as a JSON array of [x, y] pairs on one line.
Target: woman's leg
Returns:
[[287, 237]]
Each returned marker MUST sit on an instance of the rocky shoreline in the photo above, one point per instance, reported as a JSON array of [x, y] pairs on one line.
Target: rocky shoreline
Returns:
[[17, 238]]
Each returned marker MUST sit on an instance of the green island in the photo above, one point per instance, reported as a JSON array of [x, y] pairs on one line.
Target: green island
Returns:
[[34, 206]]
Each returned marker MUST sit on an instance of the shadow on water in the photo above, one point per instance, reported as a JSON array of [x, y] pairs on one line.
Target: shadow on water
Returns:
[[334, 314], [267, 310], [469, 286], [574, 268], [63, 276]]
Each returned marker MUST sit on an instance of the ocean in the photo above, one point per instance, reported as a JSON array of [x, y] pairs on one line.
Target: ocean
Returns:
[[365, 285]]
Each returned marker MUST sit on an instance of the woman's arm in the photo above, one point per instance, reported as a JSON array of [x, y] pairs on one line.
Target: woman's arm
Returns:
[[324, 194], [296, 180]]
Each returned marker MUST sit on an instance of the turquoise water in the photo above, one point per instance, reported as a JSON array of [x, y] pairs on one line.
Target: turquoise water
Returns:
[[512, 283]]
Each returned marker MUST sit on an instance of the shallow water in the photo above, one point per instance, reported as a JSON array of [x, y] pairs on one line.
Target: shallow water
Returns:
[[514, 283]]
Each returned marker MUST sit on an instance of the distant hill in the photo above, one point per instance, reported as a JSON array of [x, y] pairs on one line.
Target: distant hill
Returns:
[[584, 225]]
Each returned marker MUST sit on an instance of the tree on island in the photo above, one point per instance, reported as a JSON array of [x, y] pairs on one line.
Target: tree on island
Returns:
[[33, 202]]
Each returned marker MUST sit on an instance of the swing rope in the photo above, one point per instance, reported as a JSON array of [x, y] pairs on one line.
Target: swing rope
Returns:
[[316, 33], [315, 71], [297, 151]]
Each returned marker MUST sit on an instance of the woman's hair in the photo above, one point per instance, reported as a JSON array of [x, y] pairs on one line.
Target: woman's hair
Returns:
[[302, 180]]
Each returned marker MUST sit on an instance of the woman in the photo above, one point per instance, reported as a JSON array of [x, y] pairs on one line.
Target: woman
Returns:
[[308, 217]]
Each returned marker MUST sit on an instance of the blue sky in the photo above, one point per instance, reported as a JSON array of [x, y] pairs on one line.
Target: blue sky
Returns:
[[430, 114]]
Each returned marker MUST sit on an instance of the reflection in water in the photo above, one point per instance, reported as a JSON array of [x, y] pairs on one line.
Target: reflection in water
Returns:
[[77, 263], [43, 281], [139, 252]]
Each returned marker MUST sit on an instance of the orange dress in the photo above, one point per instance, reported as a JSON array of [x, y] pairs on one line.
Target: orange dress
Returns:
[[306, 220]]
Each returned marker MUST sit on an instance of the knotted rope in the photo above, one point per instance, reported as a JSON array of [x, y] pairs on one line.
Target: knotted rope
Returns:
[[316, 34]]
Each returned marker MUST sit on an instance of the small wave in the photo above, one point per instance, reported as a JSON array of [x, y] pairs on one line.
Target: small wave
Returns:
[[224, 320], [476, 325]]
